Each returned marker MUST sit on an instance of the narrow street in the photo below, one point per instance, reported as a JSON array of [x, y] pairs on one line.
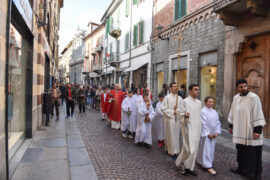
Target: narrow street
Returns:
[[115, 157]]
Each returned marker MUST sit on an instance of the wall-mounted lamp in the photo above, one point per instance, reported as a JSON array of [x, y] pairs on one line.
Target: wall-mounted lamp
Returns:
[[159, 28]]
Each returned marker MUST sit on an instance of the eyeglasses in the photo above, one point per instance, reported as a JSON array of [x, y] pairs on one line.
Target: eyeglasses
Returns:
[[196, 89]]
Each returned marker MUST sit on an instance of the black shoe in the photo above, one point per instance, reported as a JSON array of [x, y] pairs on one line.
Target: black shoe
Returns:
[[147, 146], [192, 173], [235, 170]]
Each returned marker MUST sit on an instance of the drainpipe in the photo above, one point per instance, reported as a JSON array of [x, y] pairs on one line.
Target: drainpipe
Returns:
[[9, 3], [130, 35]]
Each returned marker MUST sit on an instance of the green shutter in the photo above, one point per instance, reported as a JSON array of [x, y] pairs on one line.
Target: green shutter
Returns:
[[141, 24], [135, 35], [127, 8], [127, 41], [183, 8], [135, 2], [180, 9]]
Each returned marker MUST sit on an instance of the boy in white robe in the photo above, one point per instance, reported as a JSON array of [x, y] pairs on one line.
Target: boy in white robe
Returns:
[[210, 131], [139, 99], [146, 115], [128, 115], [159, 120]]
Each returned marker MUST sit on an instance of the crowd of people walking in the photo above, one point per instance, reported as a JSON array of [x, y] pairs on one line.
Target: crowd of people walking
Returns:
[[178, 118]]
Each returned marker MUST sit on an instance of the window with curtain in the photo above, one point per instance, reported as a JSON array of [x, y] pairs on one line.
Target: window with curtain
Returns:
[[180, 9]]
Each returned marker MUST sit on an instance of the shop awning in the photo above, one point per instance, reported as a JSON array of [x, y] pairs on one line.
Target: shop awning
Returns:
[[135, 67]]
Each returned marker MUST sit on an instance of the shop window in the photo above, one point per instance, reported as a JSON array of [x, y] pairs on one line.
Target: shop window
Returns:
[[16, 88], [208, 67], [208, 82], [160, 77], [180, 77]]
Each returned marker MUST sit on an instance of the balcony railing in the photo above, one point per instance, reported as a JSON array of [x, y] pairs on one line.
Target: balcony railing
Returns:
[[97, 68], [93, 53], [99, 48], [114, 59], [86, 54]]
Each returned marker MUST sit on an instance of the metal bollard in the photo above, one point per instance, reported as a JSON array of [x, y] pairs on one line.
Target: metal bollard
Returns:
[[47, 106]]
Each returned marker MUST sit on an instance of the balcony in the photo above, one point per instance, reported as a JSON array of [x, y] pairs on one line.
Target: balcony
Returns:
[[114, 60], [232, 11], [93, 53], [97, 68], [99, 48], [115, 32]]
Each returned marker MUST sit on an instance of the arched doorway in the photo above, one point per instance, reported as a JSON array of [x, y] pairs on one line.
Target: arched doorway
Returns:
[[253, 64]]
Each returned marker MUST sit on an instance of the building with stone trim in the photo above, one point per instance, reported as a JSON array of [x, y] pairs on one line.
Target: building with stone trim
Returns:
[[94, 53], [28, 59], [64, 63], [247, 50], [202, 50], [127, 55], [76, 64]]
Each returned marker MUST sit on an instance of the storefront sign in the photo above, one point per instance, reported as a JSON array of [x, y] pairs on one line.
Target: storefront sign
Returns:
[[26, 11]]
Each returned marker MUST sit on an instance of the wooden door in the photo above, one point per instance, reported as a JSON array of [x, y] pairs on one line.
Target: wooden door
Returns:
[[253, 64]]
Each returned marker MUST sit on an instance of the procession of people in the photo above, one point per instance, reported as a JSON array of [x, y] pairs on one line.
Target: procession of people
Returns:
[[185, 129]]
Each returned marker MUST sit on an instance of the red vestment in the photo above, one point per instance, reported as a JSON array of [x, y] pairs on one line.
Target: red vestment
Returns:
[[114, 107], [104, 103]]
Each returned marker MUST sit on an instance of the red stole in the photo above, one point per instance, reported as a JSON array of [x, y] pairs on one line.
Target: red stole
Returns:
[[114, 108]]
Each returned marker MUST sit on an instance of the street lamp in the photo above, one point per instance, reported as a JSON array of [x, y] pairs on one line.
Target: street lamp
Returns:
[[159, 27]]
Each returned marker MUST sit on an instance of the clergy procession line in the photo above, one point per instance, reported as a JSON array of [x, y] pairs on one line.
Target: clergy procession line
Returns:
[[132, 111]]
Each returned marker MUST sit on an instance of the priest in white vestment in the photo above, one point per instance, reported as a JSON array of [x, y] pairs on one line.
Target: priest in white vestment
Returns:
[[146, 115], [247, 120], [191, 131], [210, 131], [171, 109]]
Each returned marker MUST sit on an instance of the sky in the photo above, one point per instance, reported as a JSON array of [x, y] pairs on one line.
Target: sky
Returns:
[[78, 13]]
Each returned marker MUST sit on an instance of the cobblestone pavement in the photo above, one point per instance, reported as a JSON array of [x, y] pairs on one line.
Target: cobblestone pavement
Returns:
[[115, 157]]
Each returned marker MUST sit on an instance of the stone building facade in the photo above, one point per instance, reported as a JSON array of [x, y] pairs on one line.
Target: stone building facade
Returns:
[[28, 56], [76, 65], [127, 52], [64, 63], [247, 50], [94, 53], [202, 50]]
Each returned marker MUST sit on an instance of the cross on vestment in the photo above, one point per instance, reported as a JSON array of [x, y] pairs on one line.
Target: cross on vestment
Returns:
[[179, 38]]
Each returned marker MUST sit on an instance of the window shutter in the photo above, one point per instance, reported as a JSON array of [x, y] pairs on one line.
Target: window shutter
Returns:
[[183, 8], [141, 31], [127, 42], [135, 2], [135, 35], [127, 8], [176, 9]]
